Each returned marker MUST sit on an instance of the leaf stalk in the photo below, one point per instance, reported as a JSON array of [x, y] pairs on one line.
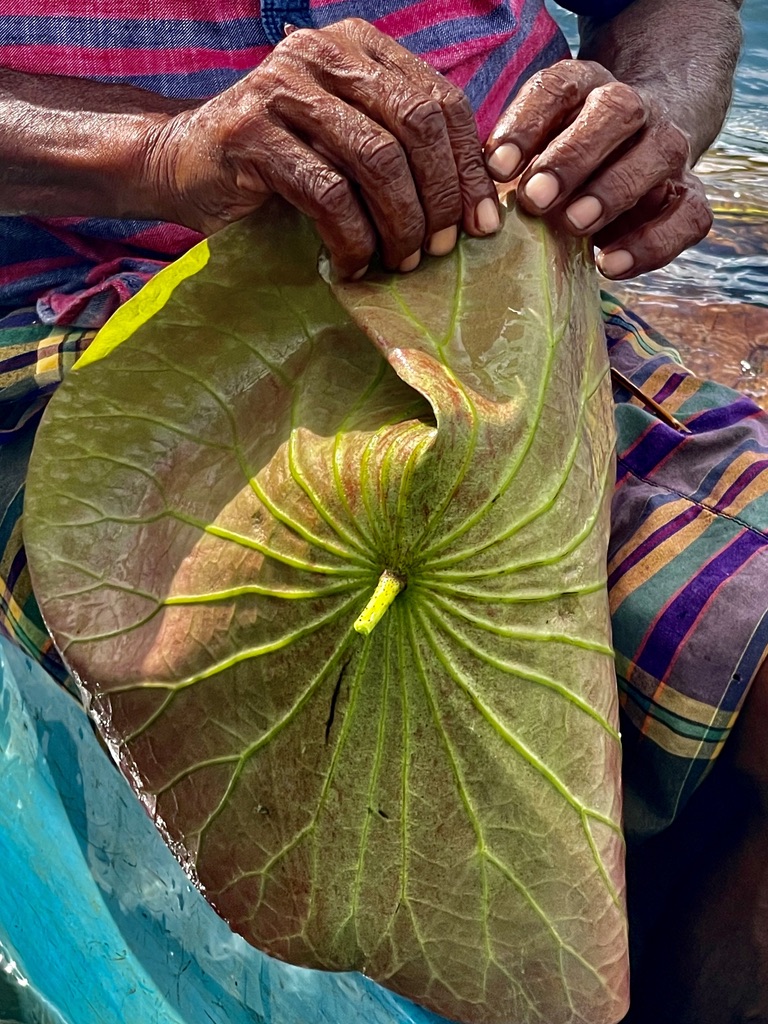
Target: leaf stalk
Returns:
[[387, 589]]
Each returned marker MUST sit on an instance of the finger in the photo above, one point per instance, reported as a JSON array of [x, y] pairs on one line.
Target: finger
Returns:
[[611, 115], [324, 194], [684, 220], [370, 156], [650, 206], [657, 157], [544, 106], [410, 113], [478, 197]]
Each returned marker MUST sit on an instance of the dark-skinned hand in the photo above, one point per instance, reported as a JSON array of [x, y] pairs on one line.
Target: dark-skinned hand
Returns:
[[375, 146], [602, 159]]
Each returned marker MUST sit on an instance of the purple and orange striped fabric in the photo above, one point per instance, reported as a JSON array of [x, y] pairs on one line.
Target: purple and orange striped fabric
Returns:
[[686, 571], [78, 272]]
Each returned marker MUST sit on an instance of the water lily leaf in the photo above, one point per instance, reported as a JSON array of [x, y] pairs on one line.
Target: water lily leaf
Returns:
[[434, 800]]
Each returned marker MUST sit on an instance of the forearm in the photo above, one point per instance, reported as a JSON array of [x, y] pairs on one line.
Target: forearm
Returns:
[[681, 53], [77, 148]]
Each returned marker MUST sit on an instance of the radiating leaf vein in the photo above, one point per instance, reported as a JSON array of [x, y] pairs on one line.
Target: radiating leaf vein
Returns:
[[484, 852], [515, 669], [251, 478], [508, 737], [550, 558], [174, 688], [523, 448], [270, 735], [538, 636]]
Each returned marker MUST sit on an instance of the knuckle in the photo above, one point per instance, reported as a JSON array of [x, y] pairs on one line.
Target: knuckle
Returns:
[[672, 146], [531, 124], [280, 99], [569, 78], [659, 245], [474, 181], [445, 209], [691, 208], [298, 38], [678, 146], [700, 216], [360, 33], [568, 155], [591, 69], [355, 28], [270, 77], [301, 42], [667, 239], [621, 192], [559, 81], [623, 100], [409, 231], [330, 192], [682, 142], [304, 50], [422, 115], [456, 105], [382, 157]]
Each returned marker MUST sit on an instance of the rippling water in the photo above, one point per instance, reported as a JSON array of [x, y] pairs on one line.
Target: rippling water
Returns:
[[712, 302], [733, 262]]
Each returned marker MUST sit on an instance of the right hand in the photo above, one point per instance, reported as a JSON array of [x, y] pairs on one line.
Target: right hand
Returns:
[[604, 159], [370, 142]]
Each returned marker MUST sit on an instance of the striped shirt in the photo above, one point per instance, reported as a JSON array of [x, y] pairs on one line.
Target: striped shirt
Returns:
[[78, 271]]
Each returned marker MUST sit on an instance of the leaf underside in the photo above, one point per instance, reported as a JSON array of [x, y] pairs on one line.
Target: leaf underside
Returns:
[[208, 511]]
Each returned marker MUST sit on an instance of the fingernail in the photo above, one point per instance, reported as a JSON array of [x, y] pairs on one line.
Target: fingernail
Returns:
[[584, 211], [542, 189], [410, 263], [504, 161], [441, 242], [487, 216], [615, 264], [359, 273]]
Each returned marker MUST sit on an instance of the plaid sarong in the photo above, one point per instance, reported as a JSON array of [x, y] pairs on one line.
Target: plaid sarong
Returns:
[[33, 361], [686, 572], [687, 558]]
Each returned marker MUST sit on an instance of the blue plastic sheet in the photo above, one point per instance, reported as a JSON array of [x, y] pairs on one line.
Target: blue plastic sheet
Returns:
[[98, 922]]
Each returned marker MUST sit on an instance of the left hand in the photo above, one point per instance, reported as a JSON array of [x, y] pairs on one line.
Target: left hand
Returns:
[[606, 160]]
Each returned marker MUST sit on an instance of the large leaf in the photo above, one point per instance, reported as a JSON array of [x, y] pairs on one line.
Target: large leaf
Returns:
[[435, 802]]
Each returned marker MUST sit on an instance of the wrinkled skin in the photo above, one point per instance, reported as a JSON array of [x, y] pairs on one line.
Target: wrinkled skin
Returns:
[[331, 111], [608, 160]]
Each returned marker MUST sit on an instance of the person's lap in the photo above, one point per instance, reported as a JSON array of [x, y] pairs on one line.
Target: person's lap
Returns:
[[686, 563]]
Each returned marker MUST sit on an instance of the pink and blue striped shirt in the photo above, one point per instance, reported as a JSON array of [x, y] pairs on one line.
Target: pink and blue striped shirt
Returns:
[[74, 271]]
